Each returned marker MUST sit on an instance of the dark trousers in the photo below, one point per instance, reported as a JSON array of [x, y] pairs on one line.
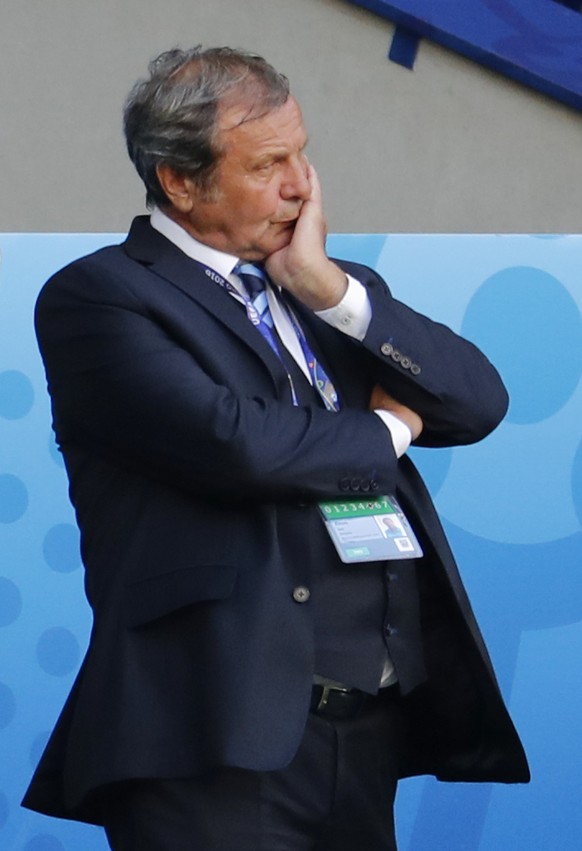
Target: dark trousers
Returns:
[[336, 795]]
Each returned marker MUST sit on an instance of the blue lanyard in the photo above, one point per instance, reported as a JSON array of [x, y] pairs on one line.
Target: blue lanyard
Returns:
[[319, 378], [257, 321]]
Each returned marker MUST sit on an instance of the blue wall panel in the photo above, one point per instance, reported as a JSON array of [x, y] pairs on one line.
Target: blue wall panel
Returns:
[[537, 42], [512, 506]]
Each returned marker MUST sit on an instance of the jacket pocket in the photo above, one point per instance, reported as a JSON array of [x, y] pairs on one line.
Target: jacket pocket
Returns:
[[153, 597]]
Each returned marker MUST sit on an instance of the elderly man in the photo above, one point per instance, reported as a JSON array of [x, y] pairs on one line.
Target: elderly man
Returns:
[[235, 409]]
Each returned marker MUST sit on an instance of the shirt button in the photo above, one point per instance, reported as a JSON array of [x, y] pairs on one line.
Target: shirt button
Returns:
[[301, 594]]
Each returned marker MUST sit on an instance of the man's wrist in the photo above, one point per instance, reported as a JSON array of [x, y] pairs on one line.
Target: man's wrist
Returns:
[[326, 289], [399, 431], [353, 314]]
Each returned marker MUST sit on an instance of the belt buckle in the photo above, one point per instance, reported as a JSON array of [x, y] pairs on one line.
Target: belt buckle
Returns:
[[326, 690]]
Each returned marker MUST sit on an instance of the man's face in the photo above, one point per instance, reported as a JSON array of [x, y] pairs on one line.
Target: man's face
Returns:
[[261, 184]]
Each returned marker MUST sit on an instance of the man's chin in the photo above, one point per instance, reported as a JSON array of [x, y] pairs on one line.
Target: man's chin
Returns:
[[277, 237], [283, 237], [259, 253]]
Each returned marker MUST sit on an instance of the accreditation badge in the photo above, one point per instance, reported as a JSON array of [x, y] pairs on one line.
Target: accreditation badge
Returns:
[[369, 530]]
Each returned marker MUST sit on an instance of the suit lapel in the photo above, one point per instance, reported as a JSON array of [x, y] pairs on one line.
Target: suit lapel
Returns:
[[148, 247]]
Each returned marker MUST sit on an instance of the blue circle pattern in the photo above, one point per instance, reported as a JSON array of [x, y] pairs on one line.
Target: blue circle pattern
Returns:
[[526, 319], [61, 548], [13, 498], [7, 706], [527, 592], [44, 842], [10, 601], [530, 326], [16, 395], [58, 651], [37, 747], [55, 453], [435, 465], [4, 809], [577, 482]]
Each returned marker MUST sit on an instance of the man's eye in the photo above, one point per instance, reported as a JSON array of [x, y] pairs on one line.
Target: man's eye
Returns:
[[265, 167]]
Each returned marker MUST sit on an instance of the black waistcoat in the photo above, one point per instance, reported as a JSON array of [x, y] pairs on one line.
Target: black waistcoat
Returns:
[[361, 611]]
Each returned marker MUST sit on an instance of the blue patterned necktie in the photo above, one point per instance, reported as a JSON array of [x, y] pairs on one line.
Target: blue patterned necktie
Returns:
[[254, 279]]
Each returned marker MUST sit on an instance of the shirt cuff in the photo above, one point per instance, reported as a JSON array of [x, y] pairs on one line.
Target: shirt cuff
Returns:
[[353, 314], [399, 431]]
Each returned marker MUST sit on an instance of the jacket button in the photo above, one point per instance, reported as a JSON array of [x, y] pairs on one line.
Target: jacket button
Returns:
[[396, 356], [415, 369], [405, 363], [355, 484], [344, 484], [301, 594], [374, 486], [387, 349]]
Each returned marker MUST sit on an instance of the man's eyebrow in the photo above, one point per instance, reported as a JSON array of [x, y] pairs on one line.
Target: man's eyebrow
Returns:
[[278, 152]]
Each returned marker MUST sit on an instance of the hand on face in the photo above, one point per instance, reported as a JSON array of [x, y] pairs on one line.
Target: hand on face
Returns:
[[302, 266], [266, 205]]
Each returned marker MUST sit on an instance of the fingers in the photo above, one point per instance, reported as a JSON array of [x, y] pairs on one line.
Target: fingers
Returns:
[[381, 400], [302, 266], [313, 178], [378, 398], [312, 215]]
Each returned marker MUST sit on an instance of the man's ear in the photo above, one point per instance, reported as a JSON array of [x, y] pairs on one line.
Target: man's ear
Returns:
[[179, 189]]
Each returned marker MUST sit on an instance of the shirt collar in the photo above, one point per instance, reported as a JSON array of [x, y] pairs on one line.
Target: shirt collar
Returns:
[[220, 261]]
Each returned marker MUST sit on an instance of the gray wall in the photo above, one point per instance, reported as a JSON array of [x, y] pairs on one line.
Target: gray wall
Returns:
[[448, 147]]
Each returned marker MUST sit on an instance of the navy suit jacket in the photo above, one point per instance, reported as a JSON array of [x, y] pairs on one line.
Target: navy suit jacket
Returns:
[[195, 482]]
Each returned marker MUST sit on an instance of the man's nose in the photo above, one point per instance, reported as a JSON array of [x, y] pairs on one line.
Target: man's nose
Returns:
[[295, 181]]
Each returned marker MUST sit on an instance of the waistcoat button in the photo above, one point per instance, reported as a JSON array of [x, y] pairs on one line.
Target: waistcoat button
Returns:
[[301, 594]]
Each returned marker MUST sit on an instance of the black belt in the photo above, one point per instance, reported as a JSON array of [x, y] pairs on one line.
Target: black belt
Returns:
[[337, 701]]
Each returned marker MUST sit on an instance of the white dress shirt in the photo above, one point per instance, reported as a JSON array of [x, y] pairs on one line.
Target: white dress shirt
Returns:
[[351, 316]]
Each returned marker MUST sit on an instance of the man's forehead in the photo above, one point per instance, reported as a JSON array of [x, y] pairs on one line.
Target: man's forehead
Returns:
[[246, 113]]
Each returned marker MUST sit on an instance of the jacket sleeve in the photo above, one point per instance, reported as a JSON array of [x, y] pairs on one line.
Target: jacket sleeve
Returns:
[[126, 388], [444, 378]]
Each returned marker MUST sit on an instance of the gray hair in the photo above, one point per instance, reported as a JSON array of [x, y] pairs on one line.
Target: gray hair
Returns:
[[171, 118]]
